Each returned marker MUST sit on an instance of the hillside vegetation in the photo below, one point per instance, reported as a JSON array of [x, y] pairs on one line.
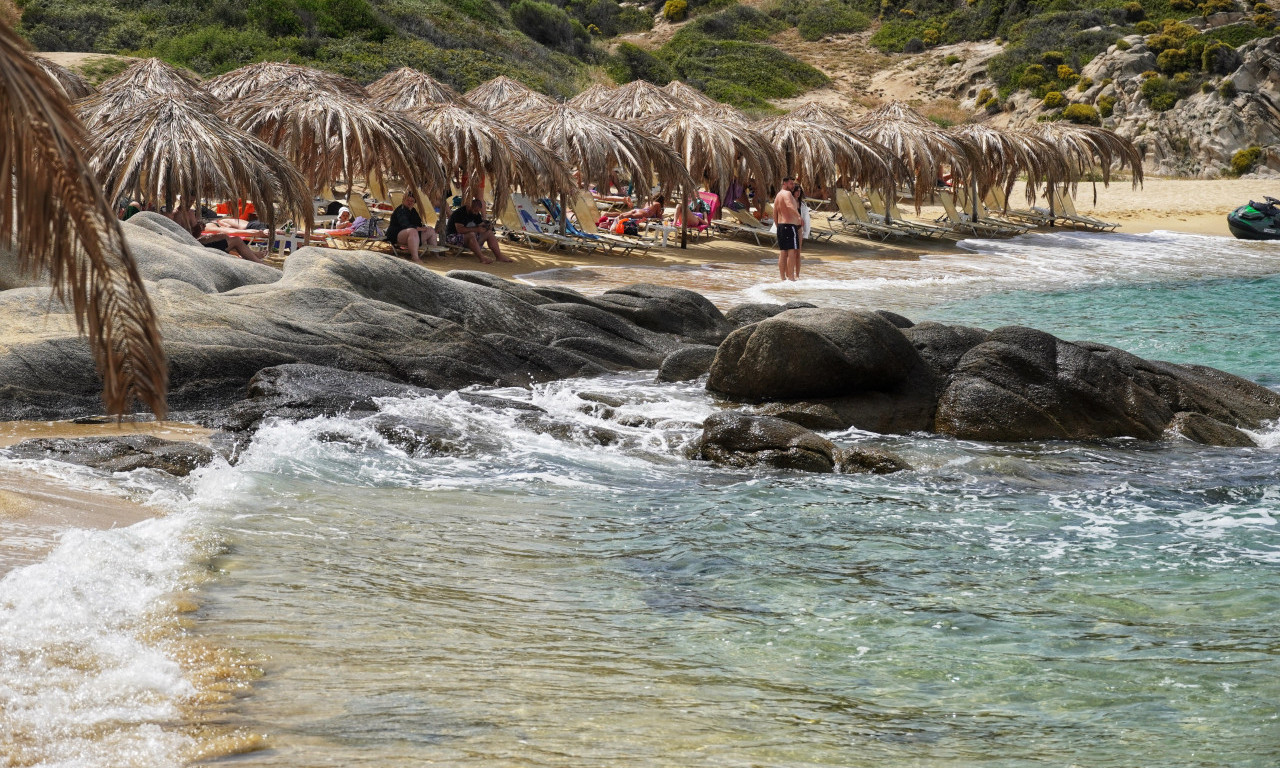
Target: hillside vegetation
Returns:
[[560, 46]]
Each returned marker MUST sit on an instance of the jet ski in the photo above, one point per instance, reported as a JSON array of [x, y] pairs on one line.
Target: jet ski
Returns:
[[1256, 221]]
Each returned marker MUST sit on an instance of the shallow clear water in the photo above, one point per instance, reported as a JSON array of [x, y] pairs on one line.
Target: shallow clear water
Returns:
[[539, 599]]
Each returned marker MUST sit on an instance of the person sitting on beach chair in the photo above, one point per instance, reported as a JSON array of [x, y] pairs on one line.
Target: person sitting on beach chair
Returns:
[[468, 228], [185, 217], [406, 229]]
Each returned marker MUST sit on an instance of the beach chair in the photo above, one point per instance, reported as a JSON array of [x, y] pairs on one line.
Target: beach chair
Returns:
[[963, 222], [854, 217], [575, 228], [585, 210], [743, 223], [1036, 217], [984, 216], [1066, 209], [524, 222], [890, 216]]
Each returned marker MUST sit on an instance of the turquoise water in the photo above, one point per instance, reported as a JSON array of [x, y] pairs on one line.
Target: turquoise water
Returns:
[[537, 599]]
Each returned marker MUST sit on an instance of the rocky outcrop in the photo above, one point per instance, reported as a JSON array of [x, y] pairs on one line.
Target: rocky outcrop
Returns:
[[1206, 430], [1005, 385], [118, 454], [736, 439], [687, 363]]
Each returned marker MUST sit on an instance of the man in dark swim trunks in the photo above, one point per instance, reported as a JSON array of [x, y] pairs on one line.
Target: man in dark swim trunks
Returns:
[[786, 214]]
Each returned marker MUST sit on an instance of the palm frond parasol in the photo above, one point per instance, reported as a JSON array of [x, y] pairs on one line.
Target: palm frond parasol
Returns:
[[823, 155], [1005, 155], [167, 147], [922, 146], [55, 219], [714, 150], [250, 80], [72, 83], [690, 97], [1087, 147], [505, 97], [636, 99], [592, 97], [333, 138], [140, 82], [407, 89], [481, 147]]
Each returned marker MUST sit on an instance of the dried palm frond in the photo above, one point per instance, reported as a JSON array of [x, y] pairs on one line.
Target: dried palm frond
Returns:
[[332, 138], [592, 97], [1086, 147], [1005, 155], [598, 146], [505, 97], [813, 112], [72, 83], [407, 89], [165, 148], [825, 156], [636, 99], [55, 219], [250, 80], [923, 146], [690, 97], [715, 151], [482, 149], [142, 81]]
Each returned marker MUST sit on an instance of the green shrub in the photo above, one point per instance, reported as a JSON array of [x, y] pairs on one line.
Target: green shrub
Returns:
[[1219, 59], [1085, 84], [1236, 35], [1245, 160], [1083, 114], [675, 10], [1106, 105], [1054, 99], [1182, 5], [1173, 60], [1144, 28], [1106, 81], [744, 74], [951, 60], [992, 105], [1066, 73], [631, 62], [1227, 90], [1053, 59], [1159, 93], [984, 95], [1134, 12], [740, 22], [1123, 45], [1206, 87], [831, 18], [546, 23], [1210, 7]]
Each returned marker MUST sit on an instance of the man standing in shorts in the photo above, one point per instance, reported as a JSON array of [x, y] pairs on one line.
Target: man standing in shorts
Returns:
[[786, 215]]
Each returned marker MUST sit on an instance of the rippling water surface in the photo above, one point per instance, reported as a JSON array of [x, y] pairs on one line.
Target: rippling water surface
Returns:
[[532, 597]]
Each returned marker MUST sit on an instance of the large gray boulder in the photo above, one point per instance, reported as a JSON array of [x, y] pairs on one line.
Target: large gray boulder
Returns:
[[677, 311], [1024, 384], [814, 353], [118, 454], [736, 439]]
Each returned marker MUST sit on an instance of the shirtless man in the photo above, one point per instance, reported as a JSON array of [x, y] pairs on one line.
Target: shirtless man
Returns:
[[786, 214]]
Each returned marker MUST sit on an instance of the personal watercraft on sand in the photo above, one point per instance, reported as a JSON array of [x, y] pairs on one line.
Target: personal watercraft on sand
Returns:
[[1256, 221]]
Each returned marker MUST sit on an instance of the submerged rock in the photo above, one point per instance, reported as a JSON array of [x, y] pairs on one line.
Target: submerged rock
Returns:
[[1206, 430], [737, 439], [118, 454]]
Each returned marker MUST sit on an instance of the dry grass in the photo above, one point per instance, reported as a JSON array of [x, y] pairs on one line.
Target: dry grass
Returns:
[[945, 112]]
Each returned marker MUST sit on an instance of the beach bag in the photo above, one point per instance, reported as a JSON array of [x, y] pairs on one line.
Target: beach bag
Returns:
[[620, 226], [629, 227], [365, 228]]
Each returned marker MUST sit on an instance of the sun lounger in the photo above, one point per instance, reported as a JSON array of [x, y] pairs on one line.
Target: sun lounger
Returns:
[[1035, 217], [743, 223], [855, 218], [890, 216], [576, 228], [984, 216], [524, 222], [1066, 209], [964, 222]]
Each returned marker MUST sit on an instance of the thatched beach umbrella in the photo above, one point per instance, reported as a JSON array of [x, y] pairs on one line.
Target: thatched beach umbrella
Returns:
[[166, 147], [481, 148], [636, 99], [407, 88], [592, 97], [823, 155], [332, 138], [505, 97], [715, 151], [72, 83], [249, 81], [55, 220], [813, 112], [923, 146], [690, 97], [1006, 155], [598, 146], [140, 82], [1087, 148]]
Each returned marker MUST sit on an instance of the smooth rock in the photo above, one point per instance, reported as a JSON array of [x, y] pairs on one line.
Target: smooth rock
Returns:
[[677, 311], [877, 461], [746, 314], [687, 363], [1206, 430], [118, 454], [737, 439]]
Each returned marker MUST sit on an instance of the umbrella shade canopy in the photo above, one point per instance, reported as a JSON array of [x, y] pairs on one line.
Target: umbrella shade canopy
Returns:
[[1005, 155], [332, 138], [690, 97], [813, 112], [479, 147], [921, 145], [598, 146], [166, 147], [826, 156], [248, 81], [637, 99], [72, 83], [407, 89], [504, 96], [56, 221], [715, 151], [141, 82], [592, 97], [1085, 148]]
